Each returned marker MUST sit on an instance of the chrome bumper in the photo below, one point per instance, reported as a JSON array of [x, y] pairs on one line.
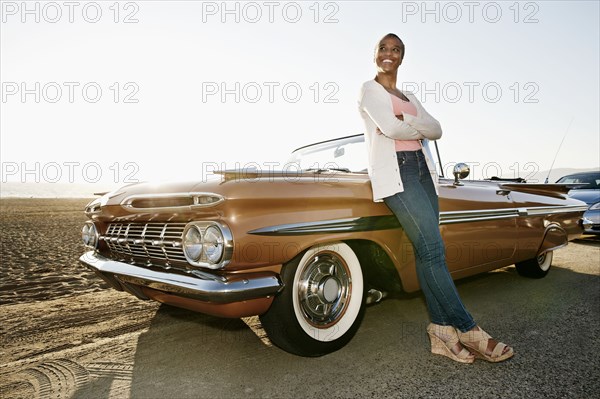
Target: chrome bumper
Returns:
[[197, 284], [591, 226]]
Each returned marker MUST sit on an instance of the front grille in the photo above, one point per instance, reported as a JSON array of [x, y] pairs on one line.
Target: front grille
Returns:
[[152, 241]]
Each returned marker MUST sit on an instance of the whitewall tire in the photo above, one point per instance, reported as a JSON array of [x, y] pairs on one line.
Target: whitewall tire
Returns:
[[322, 304]]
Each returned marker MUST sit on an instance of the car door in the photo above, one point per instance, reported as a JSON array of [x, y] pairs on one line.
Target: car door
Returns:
[[478, 224]]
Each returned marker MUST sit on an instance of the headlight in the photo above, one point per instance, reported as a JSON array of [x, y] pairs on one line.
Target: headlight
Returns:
[[595, 206], [213, 244], [89, 235], [192, 243], [207, 244]]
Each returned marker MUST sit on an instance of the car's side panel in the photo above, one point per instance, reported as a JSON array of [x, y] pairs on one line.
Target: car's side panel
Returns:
[[541, 212], [488, 239]]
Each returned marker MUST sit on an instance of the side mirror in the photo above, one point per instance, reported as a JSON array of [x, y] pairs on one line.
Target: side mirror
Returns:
[[339, 152], [460, 171]]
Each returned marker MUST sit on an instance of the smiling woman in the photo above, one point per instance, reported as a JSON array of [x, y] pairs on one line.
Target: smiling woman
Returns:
[[403, 175]]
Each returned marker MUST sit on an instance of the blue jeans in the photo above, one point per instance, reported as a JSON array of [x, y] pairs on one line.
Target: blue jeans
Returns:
[[417, 211]]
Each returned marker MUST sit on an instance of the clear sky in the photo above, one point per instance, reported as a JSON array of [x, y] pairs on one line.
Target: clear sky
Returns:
[[147, 90]]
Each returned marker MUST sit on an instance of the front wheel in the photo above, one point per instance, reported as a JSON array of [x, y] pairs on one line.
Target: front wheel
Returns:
[[322, 304], [537, 267]]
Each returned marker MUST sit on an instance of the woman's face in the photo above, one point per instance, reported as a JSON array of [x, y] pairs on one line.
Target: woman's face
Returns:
[[388, 55]]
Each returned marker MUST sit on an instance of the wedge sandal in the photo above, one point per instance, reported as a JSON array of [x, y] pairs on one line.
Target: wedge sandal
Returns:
[[477, 341], [443, 339]]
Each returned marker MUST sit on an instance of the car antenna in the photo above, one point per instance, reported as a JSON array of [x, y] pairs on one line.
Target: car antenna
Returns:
[[560, 145]]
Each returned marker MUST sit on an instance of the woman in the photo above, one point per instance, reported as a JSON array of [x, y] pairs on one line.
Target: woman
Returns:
[[403, 175]]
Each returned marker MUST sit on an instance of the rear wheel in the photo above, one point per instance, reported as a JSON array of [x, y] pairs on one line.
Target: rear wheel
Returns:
[[537, 267], [322, 304]]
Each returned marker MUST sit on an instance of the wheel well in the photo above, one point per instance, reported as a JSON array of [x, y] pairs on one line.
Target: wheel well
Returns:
[[555, 237], [378, 269]]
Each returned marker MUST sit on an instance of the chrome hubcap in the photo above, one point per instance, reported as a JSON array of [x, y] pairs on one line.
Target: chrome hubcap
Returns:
[[324, 289], [329, 289]]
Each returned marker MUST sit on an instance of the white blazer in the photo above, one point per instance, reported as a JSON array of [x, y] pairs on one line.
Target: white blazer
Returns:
[[375, 106]]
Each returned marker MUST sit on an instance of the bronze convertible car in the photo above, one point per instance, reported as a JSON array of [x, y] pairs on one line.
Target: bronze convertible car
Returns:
[[301, 246]]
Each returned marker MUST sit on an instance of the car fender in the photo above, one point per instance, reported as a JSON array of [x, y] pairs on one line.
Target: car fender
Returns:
[[554, 237]]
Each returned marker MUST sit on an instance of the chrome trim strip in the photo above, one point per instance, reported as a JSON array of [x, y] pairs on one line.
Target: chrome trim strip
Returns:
[[197, 285], [451, 217], [550, 210], [385, 222], [369, 223], [126, 203], [553, 248], [506, 213], [477, 219]]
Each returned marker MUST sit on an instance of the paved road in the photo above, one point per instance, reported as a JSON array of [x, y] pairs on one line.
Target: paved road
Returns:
[[116, 346]]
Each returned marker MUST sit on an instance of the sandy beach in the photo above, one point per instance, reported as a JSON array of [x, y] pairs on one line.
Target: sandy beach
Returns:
[[40, 244], [50, 303], [63, 335]]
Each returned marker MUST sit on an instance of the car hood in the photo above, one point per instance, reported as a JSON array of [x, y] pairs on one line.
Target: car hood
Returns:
[[588, 196], [225, 190]]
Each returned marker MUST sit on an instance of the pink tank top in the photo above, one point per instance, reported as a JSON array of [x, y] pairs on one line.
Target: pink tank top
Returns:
[[401, 107]]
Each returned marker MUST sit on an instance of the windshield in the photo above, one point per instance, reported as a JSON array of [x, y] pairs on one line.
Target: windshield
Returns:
[[347, 153], [591, 179]]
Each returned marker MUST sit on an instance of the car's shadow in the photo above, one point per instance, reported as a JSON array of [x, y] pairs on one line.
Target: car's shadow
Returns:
[[185, 354]]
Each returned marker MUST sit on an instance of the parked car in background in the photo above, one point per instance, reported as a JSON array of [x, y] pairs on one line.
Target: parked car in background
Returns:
[[301, 246], [588, 192]]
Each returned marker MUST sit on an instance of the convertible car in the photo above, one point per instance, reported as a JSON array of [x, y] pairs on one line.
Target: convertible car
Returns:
[[300, 247]]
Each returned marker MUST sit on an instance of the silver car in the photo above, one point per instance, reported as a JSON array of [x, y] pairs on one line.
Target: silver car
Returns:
[[589, 192]]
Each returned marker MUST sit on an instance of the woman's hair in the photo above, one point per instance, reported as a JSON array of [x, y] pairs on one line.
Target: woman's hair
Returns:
[[395, 36]]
